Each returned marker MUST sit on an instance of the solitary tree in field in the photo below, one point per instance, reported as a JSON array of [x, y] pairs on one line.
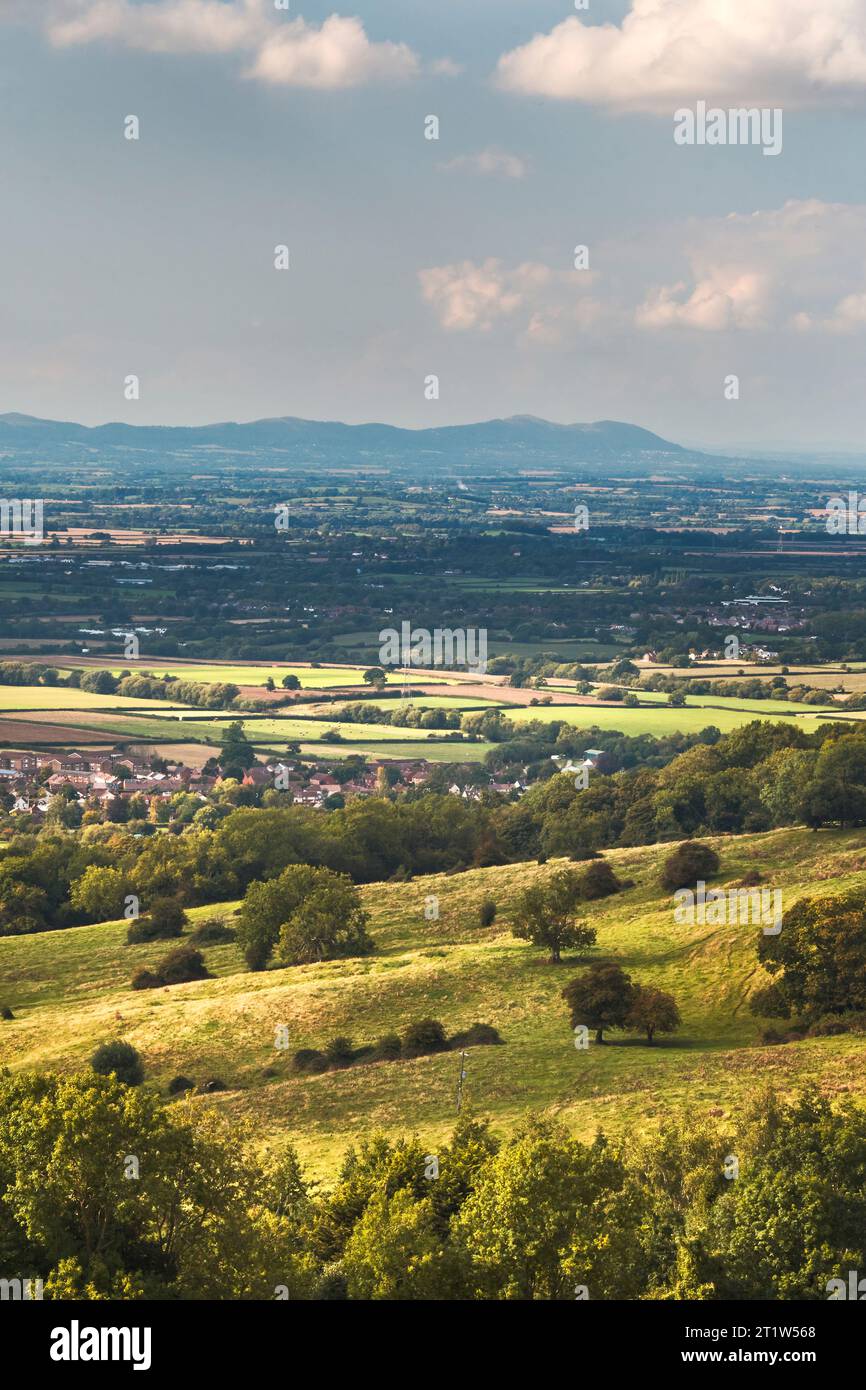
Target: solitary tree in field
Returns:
[[304, 914], [546, 915], [652, 1011], [601, 998]]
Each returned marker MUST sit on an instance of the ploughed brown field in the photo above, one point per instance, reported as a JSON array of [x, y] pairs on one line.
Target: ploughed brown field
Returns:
[[33, 731]]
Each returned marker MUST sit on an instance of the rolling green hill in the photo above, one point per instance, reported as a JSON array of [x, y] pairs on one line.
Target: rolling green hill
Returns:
[[70, 991]]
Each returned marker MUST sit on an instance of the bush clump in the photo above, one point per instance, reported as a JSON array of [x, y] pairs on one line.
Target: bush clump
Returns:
[[177, 968], [424, 1037], [339, 1052], [387, 1048], [165, 920], [478, 1035], [179, 1084], [599, 881], [689, 862], [6, 1013], [145, 979], [121, 1060], [486, 912], [212, 932], [310, 1060], [181, 965]]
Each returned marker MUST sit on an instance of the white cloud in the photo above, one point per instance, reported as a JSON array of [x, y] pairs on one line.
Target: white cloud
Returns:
[[279, 51], [166, 26], [337, 55], [490, 161], [543, 303], [799, 266], [849, 314], [672, 52], [728, 298], [466, 295]]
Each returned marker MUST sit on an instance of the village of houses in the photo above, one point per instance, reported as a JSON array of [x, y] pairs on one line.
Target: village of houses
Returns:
[[99, 779]]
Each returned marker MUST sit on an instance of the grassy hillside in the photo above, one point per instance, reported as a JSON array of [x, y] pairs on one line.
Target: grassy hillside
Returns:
[[69, 991]]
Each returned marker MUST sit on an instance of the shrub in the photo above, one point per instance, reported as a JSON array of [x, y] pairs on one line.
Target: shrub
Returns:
[[6, 1012], [121, 1060], [339, 1052], [478, 1035], [212, 933], [145, 979], [179, 1084], [177, 968], [689, 862], [387, 1048], [581, 853], [599, 881], [214, 1084], [486, 912], [426, 1036], [309, 1059], [165, 920], [828, 1027], [181, 965]]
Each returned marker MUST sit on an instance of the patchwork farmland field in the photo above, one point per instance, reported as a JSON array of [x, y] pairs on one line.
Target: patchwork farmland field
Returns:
[[62, 697], [252, 673]]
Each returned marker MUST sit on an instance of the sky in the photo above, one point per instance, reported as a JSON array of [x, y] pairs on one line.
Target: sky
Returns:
[[411, 258]]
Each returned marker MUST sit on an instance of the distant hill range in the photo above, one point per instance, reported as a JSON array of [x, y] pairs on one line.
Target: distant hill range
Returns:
[[519, 440]]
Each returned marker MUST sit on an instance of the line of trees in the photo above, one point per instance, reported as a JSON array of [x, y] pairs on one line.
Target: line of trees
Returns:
[[537, 1216]]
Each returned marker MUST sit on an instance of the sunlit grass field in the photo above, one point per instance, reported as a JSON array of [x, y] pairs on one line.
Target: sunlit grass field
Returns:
[[69, 992], [662, 720], [61, 697]]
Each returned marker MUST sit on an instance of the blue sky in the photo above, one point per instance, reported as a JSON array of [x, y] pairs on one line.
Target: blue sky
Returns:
[[411, 257]]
